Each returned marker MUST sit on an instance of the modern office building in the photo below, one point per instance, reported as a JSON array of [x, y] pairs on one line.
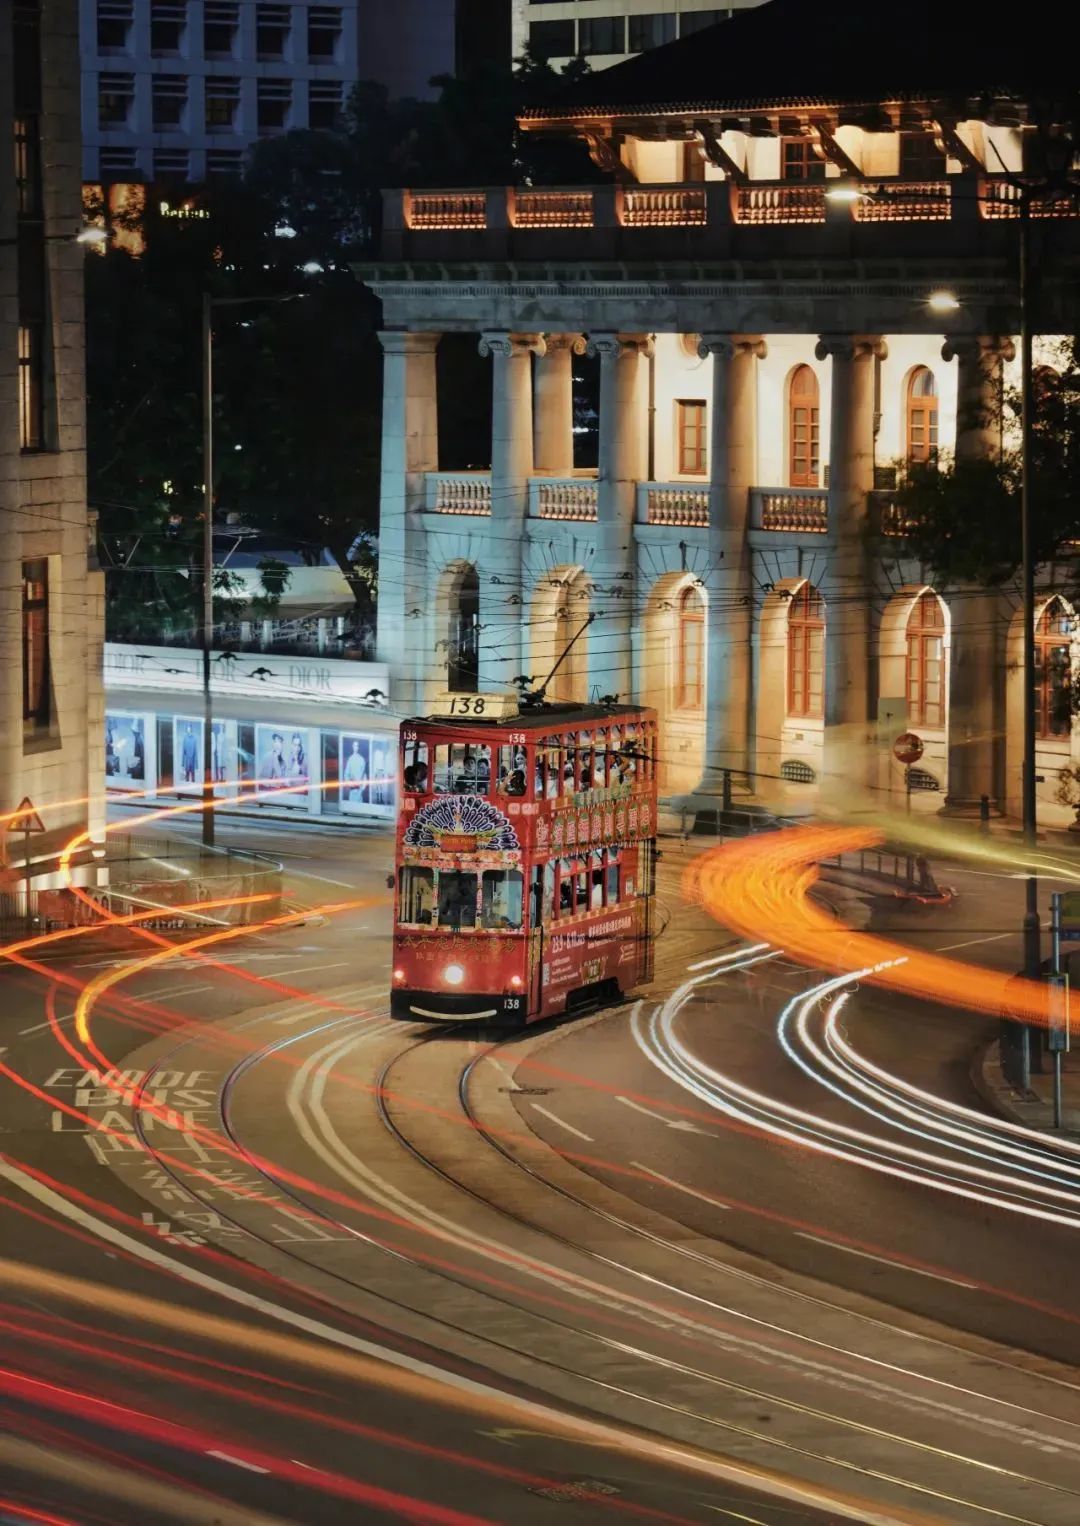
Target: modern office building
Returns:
[[606, 31], [179, 89], [51, 604], [801, 276]]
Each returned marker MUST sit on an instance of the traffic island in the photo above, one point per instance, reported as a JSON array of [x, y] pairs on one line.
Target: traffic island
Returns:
[[1031, 1106]]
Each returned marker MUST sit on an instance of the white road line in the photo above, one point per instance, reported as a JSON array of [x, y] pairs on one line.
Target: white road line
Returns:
[[897, 1266], [325, 878], [238, 1462], [562, 1124], [713, 1202], [638, 1108], [944, 948], [305, 969]]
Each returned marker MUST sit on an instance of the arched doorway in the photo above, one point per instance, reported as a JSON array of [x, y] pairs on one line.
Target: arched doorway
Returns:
[[1057, 741], [921, 416], [560, 607], [789, 721], [804, 428], [675, 669], [913, 689]]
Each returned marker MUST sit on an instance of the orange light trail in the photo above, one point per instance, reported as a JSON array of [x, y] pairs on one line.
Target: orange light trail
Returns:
[[760, 887]]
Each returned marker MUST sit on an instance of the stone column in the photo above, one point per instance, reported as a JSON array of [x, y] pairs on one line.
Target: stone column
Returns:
[[554, 404], [410, 447], [502, 612], [849, 732], [976, 634], [622, 463], [732, 463]]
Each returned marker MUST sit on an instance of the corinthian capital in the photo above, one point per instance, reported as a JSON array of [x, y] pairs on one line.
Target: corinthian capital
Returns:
[[978, 349], [727, 346], [850, 347], [618, 346], [500, 343]]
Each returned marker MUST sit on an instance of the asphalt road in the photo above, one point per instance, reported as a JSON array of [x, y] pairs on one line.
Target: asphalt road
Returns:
[[156, 1365]]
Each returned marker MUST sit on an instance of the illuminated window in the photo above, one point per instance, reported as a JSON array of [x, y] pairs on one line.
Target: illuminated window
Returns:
[[925, 679], [35, 642], [1053, 671], [922, 415], [804, 428], [31, 426], [690, 428], [806, 653], [798, 161], [691, 674]]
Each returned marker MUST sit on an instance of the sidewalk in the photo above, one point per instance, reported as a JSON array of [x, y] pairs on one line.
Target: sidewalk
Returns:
[[1034, 1108]]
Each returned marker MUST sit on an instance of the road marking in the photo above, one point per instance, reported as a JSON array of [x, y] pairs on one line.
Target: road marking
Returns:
[[991, 938], [568, 1126], [669, 1123], [897, 1266], [325, 878], [238, 1462], [714, 1202]]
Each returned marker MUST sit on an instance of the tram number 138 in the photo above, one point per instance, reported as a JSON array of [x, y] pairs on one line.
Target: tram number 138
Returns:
[[486, 707]]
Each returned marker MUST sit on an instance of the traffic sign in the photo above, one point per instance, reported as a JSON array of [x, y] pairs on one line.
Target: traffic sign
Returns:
[[25, 818], [907, 748]]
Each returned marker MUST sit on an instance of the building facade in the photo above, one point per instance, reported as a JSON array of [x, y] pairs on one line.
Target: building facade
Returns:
[[51, 603], [834, 295], [179, 89], [607, 31]]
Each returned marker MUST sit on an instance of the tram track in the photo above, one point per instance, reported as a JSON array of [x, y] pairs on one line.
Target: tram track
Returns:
[[384, 1093]]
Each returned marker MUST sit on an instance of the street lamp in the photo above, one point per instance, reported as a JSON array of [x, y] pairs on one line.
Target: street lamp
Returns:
[[207, 623]]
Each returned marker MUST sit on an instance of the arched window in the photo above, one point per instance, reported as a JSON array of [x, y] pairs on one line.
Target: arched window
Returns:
[[806, 653], [1053, 671], [690, 679], [925, 683], [803, 428], [922, 415], [463, 636]]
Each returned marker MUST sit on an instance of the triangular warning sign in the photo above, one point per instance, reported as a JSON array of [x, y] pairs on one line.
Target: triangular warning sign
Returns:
[[25, 818]]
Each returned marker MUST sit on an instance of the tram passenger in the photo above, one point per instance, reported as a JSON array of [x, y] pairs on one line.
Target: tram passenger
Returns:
[[416, 777]]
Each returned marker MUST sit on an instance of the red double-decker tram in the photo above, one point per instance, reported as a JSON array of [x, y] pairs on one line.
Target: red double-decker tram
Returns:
[[526, 852]]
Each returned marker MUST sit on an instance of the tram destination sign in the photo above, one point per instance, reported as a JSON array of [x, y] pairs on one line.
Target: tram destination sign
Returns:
[[476, 707]]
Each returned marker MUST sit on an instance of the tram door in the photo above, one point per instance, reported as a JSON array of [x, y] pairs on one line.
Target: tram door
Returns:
[[541, 906]]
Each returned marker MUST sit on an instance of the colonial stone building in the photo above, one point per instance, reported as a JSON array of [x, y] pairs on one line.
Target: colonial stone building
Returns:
[[51, 604], [802, 275]]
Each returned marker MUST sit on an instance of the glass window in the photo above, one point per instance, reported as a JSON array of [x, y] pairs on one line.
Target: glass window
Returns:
[[569, 767], [596, 880], [324, 105], [416, 897], [798, 161], [920, 157], [222, 102], [585, 760], [536, 896], [37, 706], [115, 95], [113, 25], [549, 890], [442, 780], [457, 898], [500, 902], [697, 21], [513, 765], [600, 759], [612, 876], [169, 99], [804, 428], [922, 415], [31, 389], [691, 669], [221, 22], [552, 39], [690, 432], [1053, 671], [925, 662], [582, 878], [806, 653], [651, 31], [416, 773], [271, 30], [554, 763], [324, 32], [273, 99], [168, 18], [602, 34]]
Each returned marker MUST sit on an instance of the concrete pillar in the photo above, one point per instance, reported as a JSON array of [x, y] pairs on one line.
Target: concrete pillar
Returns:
[[849, 697], [977, 635], [622, 465], [732, 464], [502, 611], [410, 447], [554, 404]]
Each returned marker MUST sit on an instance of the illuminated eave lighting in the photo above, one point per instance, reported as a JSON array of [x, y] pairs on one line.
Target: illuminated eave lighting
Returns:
[[943, 302]]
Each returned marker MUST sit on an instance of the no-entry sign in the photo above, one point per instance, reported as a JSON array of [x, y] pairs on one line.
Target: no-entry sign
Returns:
[[907, 748]]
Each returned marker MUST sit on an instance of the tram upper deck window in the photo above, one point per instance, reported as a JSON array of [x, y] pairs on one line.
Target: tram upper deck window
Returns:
[[415, 772], [416, 897], [500, 898], [513, 770], [569, 765], [457, 899], [600, 759], [547, 769]]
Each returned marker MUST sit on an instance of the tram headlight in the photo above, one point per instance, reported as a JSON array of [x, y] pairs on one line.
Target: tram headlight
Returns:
[[453, 974], [515, 981], [399, 974]]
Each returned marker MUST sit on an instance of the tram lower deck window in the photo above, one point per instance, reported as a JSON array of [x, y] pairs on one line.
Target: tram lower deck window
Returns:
[[416, 897], [500, 900], [457, 898]]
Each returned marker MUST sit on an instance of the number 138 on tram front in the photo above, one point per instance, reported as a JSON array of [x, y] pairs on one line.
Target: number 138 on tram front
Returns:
[[525, 860]]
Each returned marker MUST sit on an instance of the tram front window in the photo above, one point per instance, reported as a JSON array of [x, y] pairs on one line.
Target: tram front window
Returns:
[[457, 899], [415, 775], [500, 901]]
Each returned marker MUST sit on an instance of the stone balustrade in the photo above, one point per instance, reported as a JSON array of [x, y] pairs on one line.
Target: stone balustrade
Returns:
[[562, 498], [551, 209], [671, 503], [780, 201], [804, 511], [913, 202], [664, 207], [458, 493]]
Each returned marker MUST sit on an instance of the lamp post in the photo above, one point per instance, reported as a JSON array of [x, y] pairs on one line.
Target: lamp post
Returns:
[[207, 616]]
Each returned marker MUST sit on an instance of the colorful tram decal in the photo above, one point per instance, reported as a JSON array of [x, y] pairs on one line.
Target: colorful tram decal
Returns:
[[525, 862]]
